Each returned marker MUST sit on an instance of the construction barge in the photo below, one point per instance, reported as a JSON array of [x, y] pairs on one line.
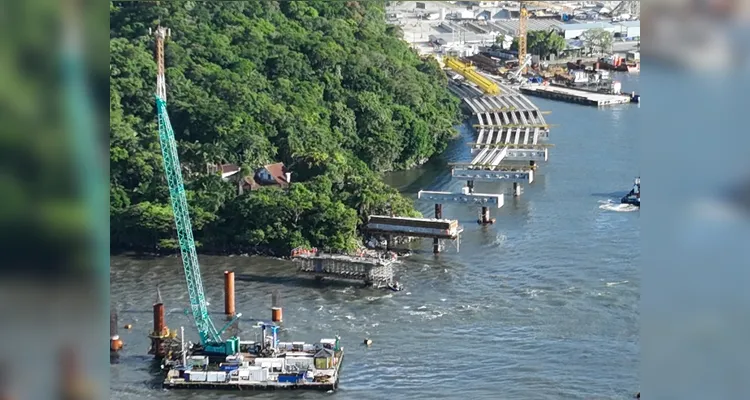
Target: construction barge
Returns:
[[269, 365], [578, 96], [373, 271]]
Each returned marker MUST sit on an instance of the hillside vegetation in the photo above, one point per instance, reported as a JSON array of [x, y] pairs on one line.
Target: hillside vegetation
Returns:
[[325, 87]]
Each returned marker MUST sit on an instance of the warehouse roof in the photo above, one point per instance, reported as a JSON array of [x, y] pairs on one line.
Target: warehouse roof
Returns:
[[585, 26]]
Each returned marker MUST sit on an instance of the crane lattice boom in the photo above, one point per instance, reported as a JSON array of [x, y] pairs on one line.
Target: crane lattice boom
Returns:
[[209, 335], [206, 329]]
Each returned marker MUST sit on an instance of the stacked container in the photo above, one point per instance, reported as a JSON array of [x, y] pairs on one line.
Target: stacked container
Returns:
[[216, 376], [195, 376]]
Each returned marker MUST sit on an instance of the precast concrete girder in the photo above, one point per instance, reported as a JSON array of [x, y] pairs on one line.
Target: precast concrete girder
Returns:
[[477, 199], [485, 175]]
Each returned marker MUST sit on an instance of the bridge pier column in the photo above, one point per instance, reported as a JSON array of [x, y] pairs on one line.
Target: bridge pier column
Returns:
[[388, 240], [436, 241], [470, 185], [484, 217], [516, 189]]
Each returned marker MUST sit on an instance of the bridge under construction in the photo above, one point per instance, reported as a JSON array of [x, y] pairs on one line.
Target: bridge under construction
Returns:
[[436, 228], [511, 132]]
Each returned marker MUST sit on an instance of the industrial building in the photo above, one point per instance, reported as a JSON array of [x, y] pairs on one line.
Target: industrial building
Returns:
[[629, 29], [572, 31]]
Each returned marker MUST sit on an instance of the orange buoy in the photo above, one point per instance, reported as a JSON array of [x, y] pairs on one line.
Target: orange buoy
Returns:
[[276, 314]]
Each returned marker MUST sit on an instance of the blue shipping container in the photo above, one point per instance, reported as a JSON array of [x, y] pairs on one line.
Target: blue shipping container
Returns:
[[288, 378]]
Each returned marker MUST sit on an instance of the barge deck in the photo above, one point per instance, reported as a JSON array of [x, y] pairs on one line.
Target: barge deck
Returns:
[[571, 95], [324, 380]]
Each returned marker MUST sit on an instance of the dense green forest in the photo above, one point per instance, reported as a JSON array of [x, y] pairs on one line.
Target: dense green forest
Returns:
[[326, 87]]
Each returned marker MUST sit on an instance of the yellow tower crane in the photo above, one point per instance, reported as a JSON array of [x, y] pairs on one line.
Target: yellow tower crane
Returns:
[[468, 71], [523, 17]]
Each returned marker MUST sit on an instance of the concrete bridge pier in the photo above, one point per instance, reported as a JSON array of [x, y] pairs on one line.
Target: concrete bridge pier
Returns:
[[484, 217], [438, 215]]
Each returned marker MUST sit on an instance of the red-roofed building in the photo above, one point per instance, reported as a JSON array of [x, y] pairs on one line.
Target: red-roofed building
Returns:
[[225, 170], [268, 175], [228, 170]]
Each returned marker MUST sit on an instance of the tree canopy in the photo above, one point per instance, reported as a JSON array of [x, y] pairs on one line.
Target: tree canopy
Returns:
[[542, 43], [324, 87], [598, 40]]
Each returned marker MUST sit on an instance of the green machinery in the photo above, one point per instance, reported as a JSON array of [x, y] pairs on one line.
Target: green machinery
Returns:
[[210, 337]]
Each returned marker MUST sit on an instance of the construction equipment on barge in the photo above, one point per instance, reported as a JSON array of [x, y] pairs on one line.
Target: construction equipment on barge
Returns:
[[211, 340], [265, 365]]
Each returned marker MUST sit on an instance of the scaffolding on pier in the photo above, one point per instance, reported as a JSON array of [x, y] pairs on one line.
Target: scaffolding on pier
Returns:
[[377, 272]]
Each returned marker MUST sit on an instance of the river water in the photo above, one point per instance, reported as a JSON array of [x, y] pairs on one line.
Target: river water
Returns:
[[541, 305]]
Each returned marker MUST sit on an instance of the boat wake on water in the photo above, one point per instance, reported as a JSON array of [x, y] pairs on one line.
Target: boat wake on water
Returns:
[[610, 205]]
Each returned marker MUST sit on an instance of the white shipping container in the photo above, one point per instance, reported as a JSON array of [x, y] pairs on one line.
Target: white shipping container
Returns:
[[276, 363], [308, 347], [216, 376], [197, 376], [259, 375]]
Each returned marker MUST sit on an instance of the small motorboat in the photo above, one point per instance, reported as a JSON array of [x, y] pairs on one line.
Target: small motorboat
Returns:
[[395, 286], [634, 196]]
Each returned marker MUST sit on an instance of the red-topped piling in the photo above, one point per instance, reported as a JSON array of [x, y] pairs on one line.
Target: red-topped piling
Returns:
[[115, 343], [276, 310], [159, 324], [229, 310]]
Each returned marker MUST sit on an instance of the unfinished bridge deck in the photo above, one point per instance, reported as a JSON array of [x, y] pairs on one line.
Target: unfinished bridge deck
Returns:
[[509, 128], [414, 227]]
